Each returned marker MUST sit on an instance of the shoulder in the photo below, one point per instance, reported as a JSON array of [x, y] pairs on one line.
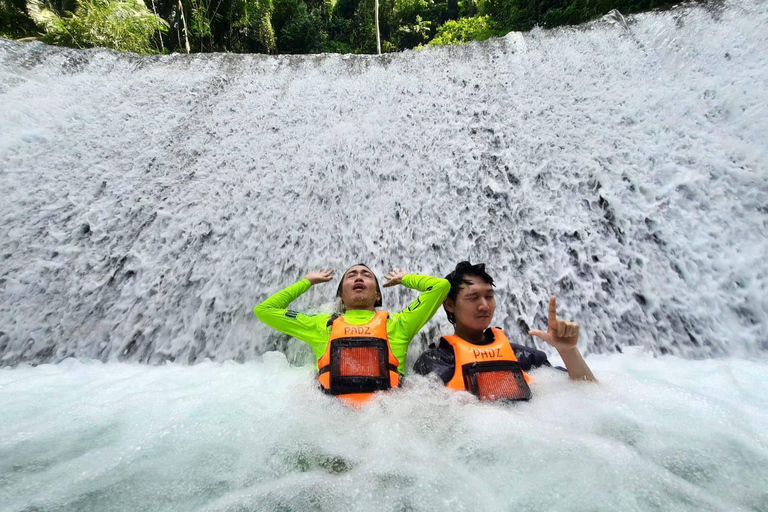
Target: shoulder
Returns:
[[440, 353], [437, 359]]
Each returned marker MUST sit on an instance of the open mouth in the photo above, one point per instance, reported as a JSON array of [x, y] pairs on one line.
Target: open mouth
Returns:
[[358, 287]]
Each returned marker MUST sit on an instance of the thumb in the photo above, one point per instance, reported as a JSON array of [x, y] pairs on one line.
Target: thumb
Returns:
[[539, 334]]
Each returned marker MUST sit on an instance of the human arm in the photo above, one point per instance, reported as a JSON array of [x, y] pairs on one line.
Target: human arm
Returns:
[[308, 328], [529, 358], [403, 326], [433, 290], [564, 336], [436, 360]]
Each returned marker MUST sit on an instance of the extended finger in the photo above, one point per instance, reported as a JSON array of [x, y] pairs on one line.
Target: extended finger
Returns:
[[539, 334], [552, 311]]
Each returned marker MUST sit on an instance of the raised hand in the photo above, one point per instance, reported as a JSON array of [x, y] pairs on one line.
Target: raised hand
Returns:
[[561, 334], [394, 278], [321, 275]]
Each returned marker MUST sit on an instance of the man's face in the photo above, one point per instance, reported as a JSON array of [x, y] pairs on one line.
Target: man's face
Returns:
[[474, 305], [358, 288]]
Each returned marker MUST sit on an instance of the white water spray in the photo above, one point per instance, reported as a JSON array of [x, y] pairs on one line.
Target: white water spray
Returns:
[[150, 202]]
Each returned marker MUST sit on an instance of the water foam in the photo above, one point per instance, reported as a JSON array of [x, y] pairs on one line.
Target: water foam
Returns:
[[150, 202], [655, 434]]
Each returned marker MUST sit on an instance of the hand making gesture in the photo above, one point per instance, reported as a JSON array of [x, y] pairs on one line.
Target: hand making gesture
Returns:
[[321, 275], [561, 334], [394, 278]]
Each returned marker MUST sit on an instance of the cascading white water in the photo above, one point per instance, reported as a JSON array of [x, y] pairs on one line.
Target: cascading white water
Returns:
[[148, 203]]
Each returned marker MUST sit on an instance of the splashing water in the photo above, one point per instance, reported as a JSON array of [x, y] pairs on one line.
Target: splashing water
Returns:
[[656, 434], [149, 203]]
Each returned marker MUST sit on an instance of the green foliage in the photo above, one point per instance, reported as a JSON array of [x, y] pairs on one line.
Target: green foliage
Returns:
[[463, 31], [467, 8], [340, 29], [336, 47], [525, 14], [124, 25], [411, 23], [301, 30], [200, 24], [292, 26], [14, 21], [414, 34], [253, 21], [407, 26], [364, 28]]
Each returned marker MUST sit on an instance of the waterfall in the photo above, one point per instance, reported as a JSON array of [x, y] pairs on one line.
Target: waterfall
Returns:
[[150, 202]]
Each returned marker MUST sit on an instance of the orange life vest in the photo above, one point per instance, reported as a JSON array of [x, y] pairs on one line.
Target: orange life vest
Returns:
[[358, 360], [489, 371]]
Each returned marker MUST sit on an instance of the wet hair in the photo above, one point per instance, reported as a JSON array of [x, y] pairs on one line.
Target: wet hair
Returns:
[[378, 289], [457, 278]]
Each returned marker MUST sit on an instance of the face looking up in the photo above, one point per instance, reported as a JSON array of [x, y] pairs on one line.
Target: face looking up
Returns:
[[358, 288]]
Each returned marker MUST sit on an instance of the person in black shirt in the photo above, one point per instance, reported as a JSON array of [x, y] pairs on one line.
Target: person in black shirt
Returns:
[[470, 306]]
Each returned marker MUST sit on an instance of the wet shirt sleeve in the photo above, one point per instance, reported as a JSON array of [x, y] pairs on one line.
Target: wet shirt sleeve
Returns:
[[437, 360], [407, 323], [311, 329], [530, 358]]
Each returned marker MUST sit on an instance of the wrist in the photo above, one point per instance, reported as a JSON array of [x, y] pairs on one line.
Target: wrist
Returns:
[[567, 351]]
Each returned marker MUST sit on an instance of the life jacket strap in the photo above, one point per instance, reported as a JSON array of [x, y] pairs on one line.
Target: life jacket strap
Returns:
[[327, 368], [331, 320]]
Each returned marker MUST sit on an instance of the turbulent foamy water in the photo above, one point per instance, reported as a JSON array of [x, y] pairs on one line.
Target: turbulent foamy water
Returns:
[[656, 434], [149, 203]]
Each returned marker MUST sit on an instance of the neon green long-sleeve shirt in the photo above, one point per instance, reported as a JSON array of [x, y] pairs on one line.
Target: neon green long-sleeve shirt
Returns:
[[315, 331]]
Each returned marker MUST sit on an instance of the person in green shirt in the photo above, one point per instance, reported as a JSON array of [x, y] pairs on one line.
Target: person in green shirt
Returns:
[[360, 296]]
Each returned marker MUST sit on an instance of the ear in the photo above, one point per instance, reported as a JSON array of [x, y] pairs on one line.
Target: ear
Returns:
[[449, 305]]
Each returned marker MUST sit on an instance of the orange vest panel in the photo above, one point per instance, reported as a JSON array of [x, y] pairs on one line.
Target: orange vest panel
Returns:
[[489, 371], [358, 360]]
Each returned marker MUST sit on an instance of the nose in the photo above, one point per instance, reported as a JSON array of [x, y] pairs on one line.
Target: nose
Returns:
[[483, 305]]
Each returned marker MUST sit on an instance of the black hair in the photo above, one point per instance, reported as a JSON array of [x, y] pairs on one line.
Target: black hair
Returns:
[[457, 278], [378, 289]]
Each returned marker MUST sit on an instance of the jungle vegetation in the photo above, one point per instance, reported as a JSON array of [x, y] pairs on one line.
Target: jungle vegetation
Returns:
[[290, 26]]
